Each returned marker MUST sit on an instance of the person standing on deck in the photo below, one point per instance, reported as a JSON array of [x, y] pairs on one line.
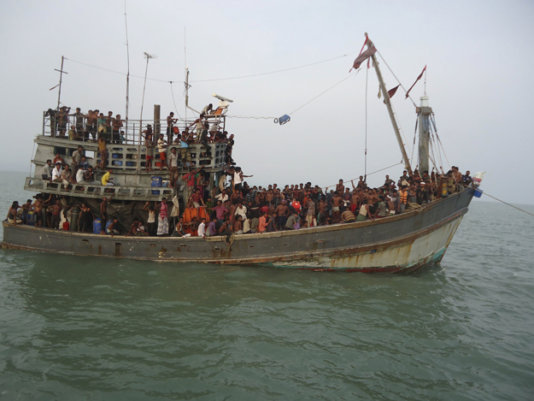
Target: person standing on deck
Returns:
[[163, 222], [170, 125], [162, 149]]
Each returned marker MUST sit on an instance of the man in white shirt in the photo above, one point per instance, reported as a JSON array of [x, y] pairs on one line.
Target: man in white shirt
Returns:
[[56, 172], [202, 228]]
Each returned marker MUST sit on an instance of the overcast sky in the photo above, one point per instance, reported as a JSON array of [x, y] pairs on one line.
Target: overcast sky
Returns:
[[282, 55]]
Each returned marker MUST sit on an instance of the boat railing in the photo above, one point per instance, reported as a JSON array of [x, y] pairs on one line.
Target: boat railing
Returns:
[[95, 190], [131, 132], [133, 157]]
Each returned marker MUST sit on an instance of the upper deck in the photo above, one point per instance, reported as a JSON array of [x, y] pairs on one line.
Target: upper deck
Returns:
[[126, 156]]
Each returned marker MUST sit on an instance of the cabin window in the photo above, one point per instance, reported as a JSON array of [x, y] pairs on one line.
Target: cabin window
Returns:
[[61, 150]]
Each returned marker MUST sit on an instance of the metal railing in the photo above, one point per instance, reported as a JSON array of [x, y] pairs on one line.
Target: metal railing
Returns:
[[130, 132], [95, 190]]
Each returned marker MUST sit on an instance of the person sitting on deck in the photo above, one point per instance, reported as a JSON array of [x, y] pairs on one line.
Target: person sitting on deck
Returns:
[[89, 174], [12, 214], [66, 176], [112, 226], [106, 179], [137, 228], [56, 172]]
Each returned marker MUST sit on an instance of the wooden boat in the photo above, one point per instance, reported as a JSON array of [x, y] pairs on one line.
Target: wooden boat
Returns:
[[403, 242]]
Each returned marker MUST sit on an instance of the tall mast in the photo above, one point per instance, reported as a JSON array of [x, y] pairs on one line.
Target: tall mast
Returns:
[[387, 101], [424, 112]]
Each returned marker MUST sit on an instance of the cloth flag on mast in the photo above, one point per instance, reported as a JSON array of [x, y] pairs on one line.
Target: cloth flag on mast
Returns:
[[418, 78], [392, 91], [362, 57]]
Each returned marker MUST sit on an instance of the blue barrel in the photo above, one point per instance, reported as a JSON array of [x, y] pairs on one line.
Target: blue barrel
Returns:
[[30, 218], [478, 193], [97, 226], [156, 182]]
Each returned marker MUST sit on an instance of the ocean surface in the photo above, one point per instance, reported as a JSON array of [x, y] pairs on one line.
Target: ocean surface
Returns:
[[74, 328]]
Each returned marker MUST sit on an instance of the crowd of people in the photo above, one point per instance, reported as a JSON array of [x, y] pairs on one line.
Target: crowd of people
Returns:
[[233, 207], [170, 149]]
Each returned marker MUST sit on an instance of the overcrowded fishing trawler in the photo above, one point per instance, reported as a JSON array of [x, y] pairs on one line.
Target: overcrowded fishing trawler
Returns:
[[169, 190]]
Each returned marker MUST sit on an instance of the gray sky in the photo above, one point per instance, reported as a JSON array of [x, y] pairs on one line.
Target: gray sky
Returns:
[[479, 54]]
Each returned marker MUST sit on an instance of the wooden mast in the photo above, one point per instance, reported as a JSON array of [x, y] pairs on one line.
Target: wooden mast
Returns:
[[387, 101]]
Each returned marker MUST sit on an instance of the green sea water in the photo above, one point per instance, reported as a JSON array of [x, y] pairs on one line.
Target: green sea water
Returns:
[[74, 328]]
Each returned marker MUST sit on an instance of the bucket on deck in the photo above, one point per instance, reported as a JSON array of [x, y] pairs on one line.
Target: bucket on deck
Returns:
[[478, 193], [30, 218], [156, 182]]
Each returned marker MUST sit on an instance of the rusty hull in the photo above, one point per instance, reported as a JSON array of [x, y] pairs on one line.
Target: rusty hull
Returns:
[[403, 242]]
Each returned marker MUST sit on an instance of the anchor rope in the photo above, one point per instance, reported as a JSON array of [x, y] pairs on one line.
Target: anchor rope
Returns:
[[509, 204]]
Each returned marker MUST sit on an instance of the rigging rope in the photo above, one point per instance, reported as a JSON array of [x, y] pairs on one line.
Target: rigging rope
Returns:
[[509, 204], [174, 102], [432, 120], [208, 80], [398, 80], [322, 93], [270, 72], [374, 172], [252, 117]]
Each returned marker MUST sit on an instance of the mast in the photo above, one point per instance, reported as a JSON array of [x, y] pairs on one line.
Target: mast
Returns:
[[423, 115], [387, 101]]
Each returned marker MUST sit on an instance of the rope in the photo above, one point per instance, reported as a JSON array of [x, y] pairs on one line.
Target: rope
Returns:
[[509, 204], [432, 119], [322, 93], [207, 80], [398, 80], [270, 72], [300, 107], [374, 172], [174, 102], [385, 168], [252, 117]]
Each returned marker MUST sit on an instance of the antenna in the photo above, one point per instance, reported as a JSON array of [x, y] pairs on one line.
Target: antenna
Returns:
[[61, 72], [128, 64], [148, 57], [186, 83]]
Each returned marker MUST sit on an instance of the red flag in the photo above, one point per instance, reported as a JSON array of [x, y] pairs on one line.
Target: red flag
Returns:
[[418, 78], [363, 56], [392, 91]]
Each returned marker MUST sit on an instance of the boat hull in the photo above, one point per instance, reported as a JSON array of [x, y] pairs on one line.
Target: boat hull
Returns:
[[403, 242]]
